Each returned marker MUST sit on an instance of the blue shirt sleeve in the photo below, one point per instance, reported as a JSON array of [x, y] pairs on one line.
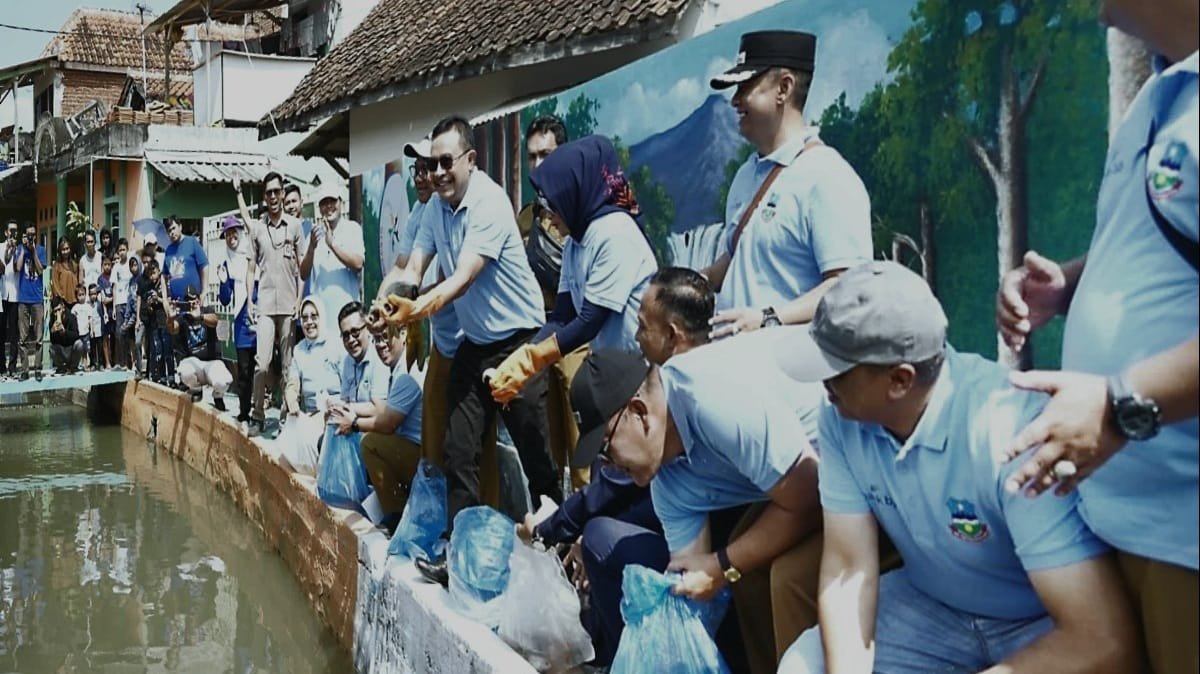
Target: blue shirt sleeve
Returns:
[[1047, 531], [404, 395], [380, 374], [429, 218], [409, 237], [612, 273], [838, 213], [680, 525], [610, 492], [839, 491], [347, 379]]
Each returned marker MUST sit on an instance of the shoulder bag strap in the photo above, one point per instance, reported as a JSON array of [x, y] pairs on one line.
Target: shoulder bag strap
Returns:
[[1189, 250], [762, 189]]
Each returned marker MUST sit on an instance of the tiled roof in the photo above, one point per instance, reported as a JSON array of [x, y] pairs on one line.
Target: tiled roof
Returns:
[[403, 40], [112, 38]]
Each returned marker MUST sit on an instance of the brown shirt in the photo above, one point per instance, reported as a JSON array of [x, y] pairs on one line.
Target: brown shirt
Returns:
[[64, 277], [277, 254]]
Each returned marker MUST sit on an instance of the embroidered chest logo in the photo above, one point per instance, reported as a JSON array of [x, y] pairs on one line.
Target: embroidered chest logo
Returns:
[[1164, 180], [964, 524], [768, 211]]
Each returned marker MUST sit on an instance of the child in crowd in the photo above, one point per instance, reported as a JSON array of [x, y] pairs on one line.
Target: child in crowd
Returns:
[[98, 347], [134, 339], [108, 317], [83, 312], [152, 315]]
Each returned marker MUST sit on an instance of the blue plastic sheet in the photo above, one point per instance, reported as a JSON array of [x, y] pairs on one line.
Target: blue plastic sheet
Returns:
[[665, 633], [478, 561], [342, 479], [419, 534]]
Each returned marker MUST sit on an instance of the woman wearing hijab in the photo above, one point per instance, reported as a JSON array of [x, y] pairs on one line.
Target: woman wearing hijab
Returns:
[[606, 262], [314, 374]]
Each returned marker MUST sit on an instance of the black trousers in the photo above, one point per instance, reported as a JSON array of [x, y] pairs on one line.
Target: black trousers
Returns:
[[245, 382], [10, 338], [472, 412]]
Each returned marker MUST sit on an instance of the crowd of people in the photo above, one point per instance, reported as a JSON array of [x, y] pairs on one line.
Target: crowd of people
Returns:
[[789, 422]]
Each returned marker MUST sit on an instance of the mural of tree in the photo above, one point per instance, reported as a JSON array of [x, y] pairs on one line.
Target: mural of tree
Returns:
[[979, 66], [658, 210], [731, 169]]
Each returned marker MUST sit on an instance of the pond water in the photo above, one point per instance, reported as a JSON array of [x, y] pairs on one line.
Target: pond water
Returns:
[[116, 557]]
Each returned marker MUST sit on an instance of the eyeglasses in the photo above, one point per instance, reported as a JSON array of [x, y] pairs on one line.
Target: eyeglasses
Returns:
[[421, 167], [446, 161], [353, 332], [604, 446]]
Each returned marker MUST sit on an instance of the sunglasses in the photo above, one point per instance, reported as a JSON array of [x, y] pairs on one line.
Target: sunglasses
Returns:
[[421, 167], [275, 191], [445, 161], [353, 332], [607, 442]]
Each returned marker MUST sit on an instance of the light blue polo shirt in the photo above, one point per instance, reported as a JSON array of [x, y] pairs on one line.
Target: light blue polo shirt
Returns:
[[1137, 298], [736, 418], [940, 496], [445, 330], [610, 268], [815, 218], [504, 298], [317, 365], [336, 284], [404, 397], [364, 380]]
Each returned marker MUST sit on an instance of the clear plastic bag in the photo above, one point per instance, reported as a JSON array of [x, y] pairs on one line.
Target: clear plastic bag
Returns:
[[297, 442], [539, 613], [477, 562], [342, 479], [665, 633], [419, 534]]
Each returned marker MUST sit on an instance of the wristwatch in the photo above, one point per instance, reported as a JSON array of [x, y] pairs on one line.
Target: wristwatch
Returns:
[[732, 575], [770, 318], [1135, 417], [354, 425]]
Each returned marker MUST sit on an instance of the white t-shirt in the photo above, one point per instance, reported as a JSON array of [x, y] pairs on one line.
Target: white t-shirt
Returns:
[[120, 281], [90, 270], [10, 274]]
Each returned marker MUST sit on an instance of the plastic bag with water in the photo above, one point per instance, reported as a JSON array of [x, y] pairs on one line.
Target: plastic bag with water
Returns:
[[342, 479], [480, 547], [539, 613], [666, 633], [419, 534]]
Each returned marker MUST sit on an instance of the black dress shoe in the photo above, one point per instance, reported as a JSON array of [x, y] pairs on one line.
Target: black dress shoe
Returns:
[[434, 570]]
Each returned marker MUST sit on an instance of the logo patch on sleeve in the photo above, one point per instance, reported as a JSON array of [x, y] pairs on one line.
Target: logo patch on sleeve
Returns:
[[964, 524], [1164, 178]]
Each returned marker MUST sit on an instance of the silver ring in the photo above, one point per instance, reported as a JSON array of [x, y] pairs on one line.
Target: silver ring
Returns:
[[1065, 469]]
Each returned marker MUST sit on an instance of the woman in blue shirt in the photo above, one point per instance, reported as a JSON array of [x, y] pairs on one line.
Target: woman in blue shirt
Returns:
[[607, 260]]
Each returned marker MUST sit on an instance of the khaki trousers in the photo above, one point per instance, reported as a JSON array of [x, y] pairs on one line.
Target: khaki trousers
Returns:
[[391, 462], [435, 416], [564, 434], [1166, 599], [776, 603]]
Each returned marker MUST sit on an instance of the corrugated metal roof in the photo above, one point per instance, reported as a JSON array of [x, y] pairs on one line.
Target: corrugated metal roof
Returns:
[[209, 167]]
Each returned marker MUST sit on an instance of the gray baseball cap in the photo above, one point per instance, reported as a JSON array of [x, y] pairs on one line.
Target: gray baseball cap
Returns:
[[878, 313]]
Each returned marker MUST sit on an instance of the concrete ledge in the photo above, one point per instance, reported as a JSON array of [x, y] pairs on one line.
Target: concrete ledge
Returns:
[[378, 608]]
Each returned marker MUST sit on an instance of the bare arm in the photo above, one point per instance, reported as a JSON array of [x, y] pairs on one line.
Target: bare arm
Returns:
[[802, 309], [793, 514], [1093, 625], [242, 208], [385, 420], [1171, 379], [849, 592], [408, 270], [469, 266], [352, 261], [310, 251]]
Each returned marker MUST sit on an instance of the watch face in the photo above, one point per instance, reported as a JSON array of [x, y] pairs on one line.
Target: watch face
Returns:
[[1137, 419]]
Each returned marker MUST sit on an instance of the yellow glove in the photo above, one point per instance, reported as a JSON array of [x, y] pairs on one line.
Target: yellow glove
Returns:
[[398, 310], [520, 366], [427, 305]]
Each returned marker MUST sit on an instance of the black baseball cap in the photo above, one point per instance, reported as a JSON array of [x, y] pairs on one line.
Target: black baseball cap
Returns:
[[769, 49], [605, 382]]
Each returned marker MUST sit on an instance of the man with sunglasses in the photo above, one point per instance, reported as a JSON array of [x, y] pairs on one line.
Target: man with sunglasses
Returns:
[[275, 244], [721, 437], [473, 234], [797, 214]]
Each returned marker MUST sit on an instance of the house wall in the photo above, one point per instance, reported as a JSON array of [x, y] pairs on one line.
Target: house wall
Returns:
[[80, 87], [237, 87]]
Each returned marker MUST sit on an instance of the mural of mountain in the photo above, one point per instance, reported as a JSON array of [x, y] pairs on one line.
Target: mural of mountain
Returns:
[[689, 160]]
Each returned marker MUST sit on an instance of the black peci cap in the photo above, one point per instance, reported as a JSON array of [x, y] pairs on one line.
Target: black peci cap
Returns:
[[605, 382], [769, 49]]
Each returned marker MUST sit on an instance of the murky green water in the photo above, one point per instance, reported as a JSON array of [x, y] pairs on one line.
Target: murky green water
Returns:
[[115, 557]]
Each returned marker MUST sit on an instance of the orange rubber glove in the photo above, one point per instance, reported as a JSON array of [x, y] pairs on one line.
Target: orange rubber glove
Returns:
[[398, 310], [428, 304], [508, 380]]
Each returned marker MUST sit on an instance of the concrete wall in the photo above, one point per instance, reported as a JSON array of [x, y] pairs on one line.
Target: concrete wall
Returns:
[[376, 606], [223, 79]]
